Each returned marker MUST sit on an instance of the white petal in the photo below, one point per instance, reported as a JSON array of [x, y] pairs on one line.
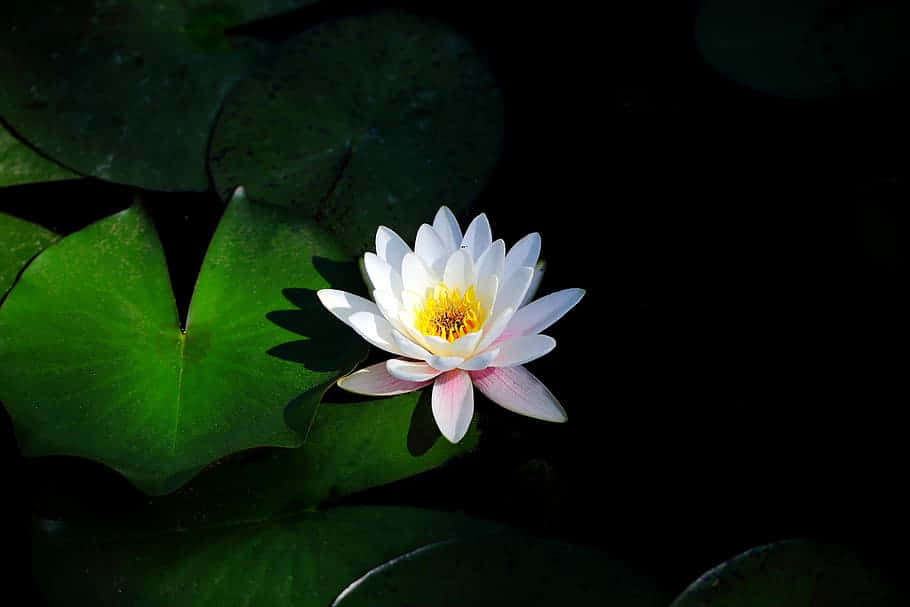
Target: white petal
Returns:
[[517, 390], [410, 370], [430, 248], [492, 261], [481, 361], [453, 404], [444, 363], [390, 247], [465, 345], [389, 306], [362, 315], [381, 274], [513, 290], [540, 314], [522, 349], [487, 287], [438, 345], [415, 276], [375, 380], [495, 328], [447, 227], [459, 271], [523, 253], [477, 237], [408, 348], [535, 282]]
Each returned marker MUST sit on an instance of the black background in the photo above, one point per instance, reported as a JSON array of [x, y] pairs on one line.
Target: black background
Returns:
[[733, 375]]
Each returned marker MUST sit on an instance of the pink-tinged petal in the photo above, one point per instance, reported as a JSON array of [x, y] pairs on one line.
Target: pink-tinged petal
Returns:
[[492, 261], [444, 363], [375, 380], [453, 404], [390, 247], [513, 290], [477, 237], [381, 274], [515, 389], [540, 314], [430, 248], [408, 348], [362, 315], [523, 254], [522, 349], [447, 227], [535, 283], [481, 361], [494, 328], [411, 370], [459, 271], [415, 275]]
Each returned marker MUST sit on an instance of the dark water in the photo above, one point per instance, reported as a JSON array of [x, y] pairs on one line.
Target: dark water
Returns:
[[732, 376]]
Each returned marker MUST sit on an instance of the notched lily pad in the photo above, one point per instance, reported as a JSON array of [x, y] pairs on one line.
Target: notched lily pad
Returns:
[[124, 90], [20, 240], [793, 573], [368, 120], [93, 362]]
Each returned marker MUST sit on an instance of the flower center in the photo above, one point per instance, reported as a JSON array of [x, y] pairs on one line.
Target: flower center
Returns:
[[448, 315]]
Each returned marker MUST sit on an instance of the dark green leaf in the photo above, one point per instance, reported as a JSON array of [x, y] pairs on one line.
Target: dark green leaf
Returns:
[[93, 362], [368, 120]]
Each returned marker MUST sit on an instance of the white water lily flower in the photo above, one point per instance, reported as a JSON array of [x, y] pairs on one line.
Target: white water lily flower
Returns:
[[455, 311]]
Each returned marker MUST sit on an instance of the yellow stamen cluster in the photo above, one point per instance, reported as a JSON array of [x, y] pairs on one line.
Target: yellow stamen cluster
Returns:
[[448, 315]]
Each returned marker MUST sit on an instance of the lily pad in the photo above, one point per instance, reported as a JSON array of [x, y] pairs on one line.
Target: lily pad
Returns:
[[503, 570], [806, 49], [303, 560], [20, 164], [20, 240], [367, 120], [93, 361], [124, 90], [793, 573]]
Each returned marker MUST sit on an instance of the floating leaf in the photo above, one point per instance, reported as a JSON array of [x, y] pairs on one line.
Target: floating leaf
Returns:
[[93, 362], [21, 164], [502, 570], [806, 49], [20, 240], [794, 573], [367, 120], [124, 90], [302, 561]]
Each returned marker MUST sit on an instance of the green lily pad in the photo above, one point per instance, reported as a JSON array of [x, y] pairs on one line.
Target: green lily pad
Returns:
[[793, 573], [503, 570], [20, 240], [806, 49], [362, 121], [303, 560], [93, 362], [124, 90], [20, 164]]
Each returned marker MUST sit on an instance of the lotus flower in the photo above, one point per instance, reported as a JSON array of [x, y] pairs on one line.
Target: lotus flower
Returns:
[[455, 312]]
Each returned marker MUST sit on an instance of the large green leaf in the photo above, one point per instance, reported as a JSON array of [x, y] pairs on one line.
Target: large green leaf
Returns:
[[124, 90], [368, 120], [93, 362], [303, 560], [20, 240], [794, 573], [21, 164], [503, 570], [806, 49]]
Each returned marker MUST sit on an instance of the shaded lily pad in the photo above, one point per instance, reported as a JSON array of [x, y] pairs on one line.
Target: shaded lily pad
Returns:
[[498, 570], [794, 573], [303, 561], [124, 90], [21, 164], [806, 49], [367, 120], [20, 240], [93, 362]]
